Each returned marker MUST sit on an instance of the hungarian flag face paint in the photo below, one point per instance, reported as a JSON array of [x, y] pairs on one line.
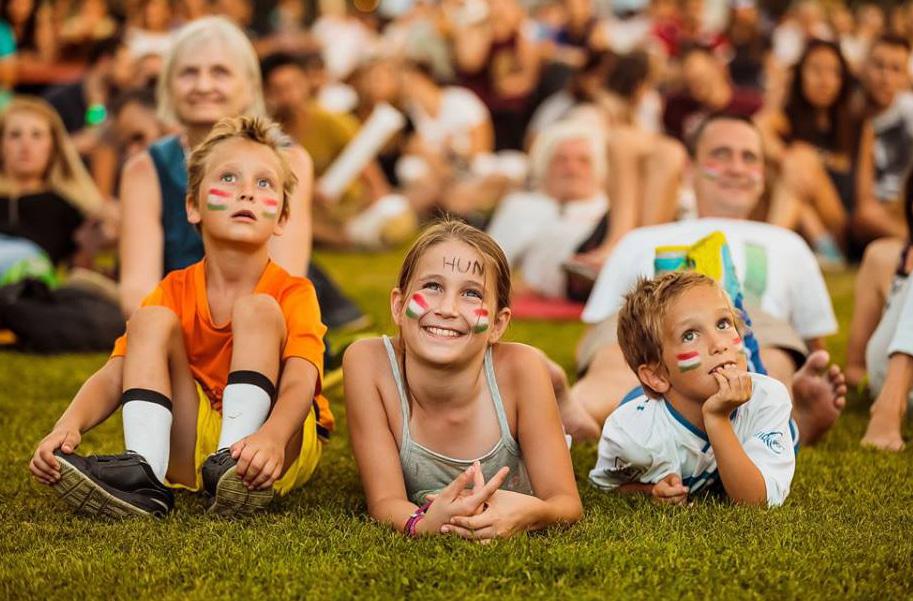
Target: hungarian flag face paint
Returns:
[[481, 323], [270, 208], [417, 306], [217, 200], [688, 361]]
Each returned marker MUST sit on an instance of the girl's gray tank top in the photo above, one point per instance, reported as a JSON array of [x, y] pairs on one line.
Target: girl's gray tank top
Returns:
[[426, 472]]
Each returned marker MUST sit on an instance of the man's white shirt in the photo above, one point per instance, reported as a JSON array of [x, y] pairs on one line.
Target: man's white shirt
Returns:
[[645, 440], [774, 265]]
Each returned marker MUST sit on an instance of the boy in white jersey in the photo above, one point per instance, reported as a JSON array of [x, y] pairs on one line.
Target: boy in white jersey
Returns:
[[702, 419]]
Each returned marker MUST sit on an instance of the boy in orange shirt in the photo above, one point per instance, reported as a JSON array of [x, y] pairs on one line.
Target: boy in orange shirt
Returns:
[[198, 371]]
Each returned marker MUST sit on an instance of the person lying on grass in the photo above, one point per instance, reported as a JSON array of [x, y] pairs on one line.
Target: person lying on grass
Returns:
[[702, 420], [198, 369], [453, 431]]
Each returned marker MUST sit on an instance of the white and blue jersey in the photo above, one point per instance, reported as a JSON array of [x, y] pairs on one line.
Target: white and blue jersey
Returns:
[[645, 440]]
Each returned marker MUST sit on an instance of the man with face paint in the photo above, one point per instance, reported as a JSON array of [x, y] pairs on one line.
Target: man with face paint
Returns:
[[783, 286]]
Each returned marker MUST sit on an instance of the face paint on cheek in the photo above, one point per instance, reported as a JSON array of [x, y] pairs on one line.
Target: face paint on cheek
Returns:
[[271, 208], [688, 361], [711, 171], [482, 322], [417, 306], [217, 199]]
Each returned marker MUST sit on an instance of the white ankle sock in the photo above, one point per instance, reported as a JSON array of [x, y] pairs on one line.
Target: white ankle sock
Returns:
[[147, 427], [246, 402]]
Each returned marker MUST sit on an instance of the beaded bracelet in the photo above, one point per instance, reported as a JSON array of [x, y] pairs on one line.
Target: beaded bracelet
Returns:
[[417, 516]]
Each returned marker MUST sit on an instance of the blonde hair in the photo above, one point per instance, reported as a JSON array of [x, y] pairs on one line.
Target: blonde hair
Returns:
[[546, 144], [255, 129], [453, 229], [233, 40], [65, 174], [640, 321]]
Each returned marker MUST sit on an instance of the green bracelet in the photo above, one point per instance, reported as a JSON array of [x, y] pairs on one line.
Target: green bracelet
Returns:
[[95, 114]]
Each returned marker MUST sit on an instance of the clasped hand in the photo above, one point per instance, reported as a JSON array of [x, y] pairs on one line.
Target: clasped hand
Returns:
[[482, 512]]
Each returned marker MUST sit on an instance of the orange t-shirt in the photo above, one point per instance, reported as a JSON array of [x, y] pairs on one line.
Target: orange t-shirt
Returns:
[[209, 346]]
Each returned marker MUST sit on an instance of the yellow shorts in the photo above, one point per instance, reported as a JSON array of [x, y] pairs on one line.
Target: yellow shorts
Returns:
[[209, 425]]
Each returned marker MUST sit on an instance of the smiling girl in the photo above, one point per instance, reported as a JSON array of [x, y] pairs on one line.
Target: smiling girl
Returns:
[[453, 430]]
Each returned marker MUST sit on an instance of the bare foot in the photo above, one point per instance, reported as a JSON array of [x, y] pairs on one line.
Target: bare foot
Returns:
[[883, 431], [819, 393], [577, 420]]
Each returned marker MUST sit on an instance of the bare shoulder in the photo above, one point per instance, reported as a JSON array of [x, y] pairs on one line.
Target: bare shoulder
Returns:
[[140, 165], [519, 362], [299, 158], [365, 353]]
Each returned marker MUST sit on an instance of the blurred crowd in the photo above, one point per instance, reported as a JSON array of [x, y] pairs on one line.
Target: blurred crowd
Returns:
[[560, 124]]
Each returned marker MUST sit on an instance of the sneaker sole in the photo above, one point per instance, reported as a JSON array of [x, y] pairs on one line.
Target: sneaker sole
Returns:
[[234, 499], [89, 498]]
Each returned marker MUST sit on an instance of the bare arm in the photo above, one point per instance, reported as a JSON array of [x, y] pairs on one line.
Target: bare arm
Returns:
[[481, 138], [541, 439], [771, 125], [373, 444], [292, 250], [142, 240], [297, 386], [96, 400], [741, 478]]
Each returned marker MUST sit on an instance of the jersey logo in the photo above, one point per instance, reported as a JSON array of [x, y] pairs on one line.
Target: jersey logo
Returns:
[[773, 440], [625, 470]]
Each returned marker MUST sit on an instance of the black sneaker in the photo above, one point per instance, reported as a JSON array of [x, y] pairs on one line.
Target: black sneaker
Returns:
[[231, 497], [337, 310], [113, 486]]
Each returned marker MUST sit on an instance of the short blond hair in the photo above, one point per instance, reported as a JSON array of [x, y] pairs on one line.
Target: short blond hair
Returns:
[[255, 129], [641, 319], [234, 41]]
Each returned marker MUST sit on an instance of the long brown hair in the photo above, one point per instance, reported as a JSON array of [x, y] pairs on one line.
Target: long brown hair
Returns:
[[65, 173], [453, 229]]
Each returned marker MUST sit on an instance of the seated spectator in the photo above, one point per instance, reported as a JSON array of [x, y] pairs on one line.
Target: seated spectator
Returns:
[[706, 89], [890, 104], [132, 126], [46, 195], [33, 30], [879, 345], [150, 33], [83, 104], [495, 59], [89, 22], [823, 149], [325, 135], [448, 162], [785, 292], [540, 230]]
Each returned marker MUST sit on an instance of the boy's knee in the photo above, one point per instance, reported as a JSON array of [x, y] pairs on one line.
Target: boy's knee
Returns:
[[147, 322], [257, 311]]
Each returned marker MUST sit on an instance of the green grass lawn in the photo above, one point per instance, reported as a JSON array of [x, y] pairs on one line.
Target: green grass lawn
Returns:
[[846, 530]]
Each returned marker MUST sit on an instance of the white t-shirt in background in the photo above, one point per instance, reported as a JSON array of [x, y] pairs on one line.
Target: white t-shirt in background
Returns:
[[461, 111], [645, 440], [774, 265], [538, 235]]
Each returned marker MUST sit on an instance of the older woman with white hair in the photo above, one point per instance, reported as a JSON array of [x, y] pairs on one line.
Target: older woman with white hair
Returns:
[[541, 229], [210, 73]]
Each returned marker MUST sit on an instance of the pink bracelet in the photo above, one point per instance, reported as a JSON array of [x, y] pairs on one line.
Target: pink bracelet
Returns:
[[417, 516]]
